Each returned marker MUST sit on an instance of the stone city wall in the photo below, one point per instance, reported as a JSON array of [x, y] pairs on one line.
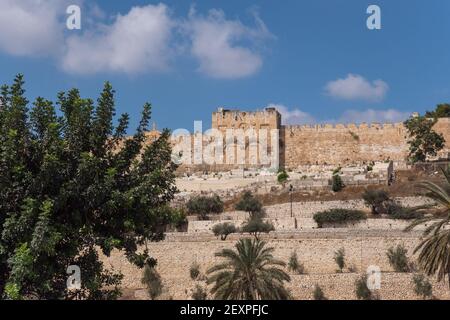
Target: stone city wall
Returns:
[[332, 144]]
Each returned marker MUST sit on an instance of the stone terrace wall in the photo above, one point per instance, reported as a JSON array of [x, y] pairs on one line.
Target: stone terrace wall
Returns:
[[175, 259], [279, 216]]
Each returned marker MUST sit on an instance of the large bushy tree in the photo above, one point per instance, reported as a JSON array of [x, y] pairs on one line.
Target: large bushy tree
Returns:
[[442, 111], [423, 140], [71, 186]]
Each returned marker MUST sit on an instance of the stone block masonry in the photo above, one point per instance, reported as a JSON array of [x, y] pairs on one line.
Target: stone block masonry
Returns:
[[176, 257], [321, 144]]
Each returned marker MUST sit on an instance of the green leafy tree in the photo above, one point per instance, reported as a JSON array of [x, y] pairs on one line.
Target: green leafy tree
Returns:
[[248, 273], [222, 230], [250, 204], [434, 249], [72, 185], [256, 226], [376, 200], [202, 206], [424, 141], [338, 216], [441, 111]]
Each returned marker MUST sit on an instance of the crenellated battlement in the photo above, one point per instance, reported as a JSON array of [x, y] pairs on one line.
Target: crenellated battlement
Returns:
[[323, 143], [343, 127]]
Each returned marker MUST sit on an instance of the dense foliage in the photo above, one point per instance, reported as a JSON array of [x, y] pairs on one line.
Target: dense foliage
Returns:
[[424, 141], [377, 200], [441, 111], [202, 206], [71, 186], [222, 230], [256, 226], [250, 204], [338, 216]]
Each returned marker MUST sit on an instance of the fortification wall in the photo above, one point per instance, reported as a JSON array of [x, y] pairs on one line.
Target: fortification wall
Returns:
[[332, 144], [343, 144]]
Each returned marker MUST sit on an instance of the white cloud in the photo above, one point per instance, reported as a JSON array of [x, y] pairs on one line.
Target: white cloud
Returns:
[[371, 115], [144, 40], [218, 45], [296, 116], [356, 87], [31, 27], [134, 43]]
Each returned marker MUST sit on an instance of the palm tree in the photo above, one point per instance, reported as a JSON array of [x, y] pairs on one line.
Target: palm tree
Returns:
[[434, 256], [249, 273]]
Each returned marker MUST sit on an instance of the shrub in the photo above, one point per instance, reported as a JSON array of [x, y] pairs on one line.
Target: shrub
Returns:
[[223, 230], [362, 291], [339, 258], [422, 286], [152, 280], [194, 271], [282, 177], [204, 205], [294, 265], [338, 216], [376, 200], [179, 220], [257, 226], [398, 212], [336, 183], [398, 259], [318, 293], [250, 204], [199, 293]]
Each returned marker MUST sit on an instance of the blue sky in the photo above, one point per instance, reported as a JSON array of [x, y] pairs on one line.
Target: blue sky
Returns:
[[315, 60]]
